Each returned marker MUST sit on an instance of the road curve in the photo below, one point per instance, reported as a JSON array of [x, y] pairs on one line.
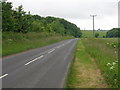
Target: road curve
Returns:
[[44, 67]]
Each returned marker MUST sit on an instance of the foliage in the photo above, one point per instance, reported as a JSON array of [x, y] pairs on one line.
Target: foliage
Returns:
[[115, 32], [105, 52], [14, 20], [17, 42], [84, 72], [96, 35], [17, 20], [7, 16]]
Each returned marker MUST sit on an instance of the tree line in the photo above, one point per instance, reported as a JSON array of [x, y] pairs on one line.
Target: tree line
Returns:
[[17, 20], [115, 32]]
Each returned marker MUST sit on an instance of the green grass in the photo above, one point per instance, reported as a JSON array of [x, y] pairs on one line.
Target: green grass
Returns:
[[105, 54], [89, 33], [18, 42], [84, 72]]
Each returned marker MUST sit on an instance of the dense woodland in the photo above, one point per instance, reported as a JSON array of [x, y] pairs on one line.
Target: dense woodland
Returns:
[[115, 32], [19, 21]]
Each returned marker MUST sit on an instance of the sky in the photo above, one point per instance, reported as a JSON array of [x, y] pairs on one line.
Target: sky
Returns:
[[76, 11]]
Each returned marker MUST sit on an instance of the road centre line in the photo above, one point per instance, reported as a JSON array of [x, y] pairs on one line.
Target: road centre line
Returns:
[[58, 47], [34, 59], [51, 51], [38, 57], [3, 76], [43, 55]]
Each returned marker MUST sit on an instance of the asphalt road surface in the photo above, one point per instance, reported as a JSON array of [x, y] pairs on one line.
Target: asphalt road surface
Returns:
[[45, 67]]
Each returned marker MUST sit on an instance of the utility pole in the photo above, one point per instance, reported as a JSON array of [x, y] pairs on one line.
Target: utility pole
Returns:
[[93, 23]]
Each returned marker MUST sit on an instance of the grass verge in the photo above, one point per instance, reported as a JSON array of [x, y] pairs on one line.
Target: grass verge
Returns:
[[84, 72], [17, 42], [105, 52]]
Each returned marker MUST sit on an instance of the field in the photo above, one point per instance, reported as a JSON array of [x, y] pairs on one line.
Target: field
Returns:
[[89, 33], [98, 58], [17, 42]]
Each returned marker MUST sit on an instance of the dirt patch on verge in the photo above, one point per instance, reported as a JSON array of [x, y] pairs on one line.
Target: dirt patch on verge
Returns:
[[84, 71], [88, 76]]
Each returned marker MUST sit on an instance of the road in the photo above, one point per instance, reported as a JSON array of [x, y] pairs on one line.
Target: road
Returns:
[[44, 67]]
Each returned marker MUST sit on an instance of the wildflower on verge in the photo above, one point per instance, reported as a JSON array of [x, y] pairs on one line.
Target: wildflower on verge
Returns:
[[111, 67], [112, 43], [114, 46], [113, 63], [115, 79], [108, 64], [9, 39], [116, 61]]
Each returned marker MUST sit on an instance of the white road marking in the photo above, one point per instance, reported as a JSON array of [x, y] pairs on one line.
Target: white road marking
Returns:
[[51, 51], [35, 59], [48, 52], [58, 47], [3, 76], [61, 46]]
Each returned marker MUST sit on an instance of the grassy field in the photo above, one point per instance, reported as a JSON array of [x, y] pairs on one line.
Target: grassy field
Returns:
[[18, 42], [89, 33], [96, 61]]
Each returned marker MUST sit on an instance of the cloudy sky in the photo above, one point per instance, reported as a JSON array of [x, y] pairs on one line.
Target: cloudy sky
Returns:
[[76, 11]]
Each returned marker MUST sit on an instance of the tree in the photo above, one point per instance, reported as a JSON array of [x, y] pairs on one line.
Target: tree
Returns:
[[57, 27], [96, 35], [104, 37], [115, 32], [23, 20], [8, 21], [20, 19]]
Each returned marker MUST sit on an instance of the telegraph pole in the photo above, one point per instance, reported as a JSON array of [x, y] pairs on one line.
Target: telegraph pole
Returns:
[[93, 23]]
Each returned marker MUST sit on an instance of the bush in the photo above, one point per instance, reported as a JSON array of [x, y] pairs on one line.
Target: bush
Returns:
[[115, 32], [96, 35]]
